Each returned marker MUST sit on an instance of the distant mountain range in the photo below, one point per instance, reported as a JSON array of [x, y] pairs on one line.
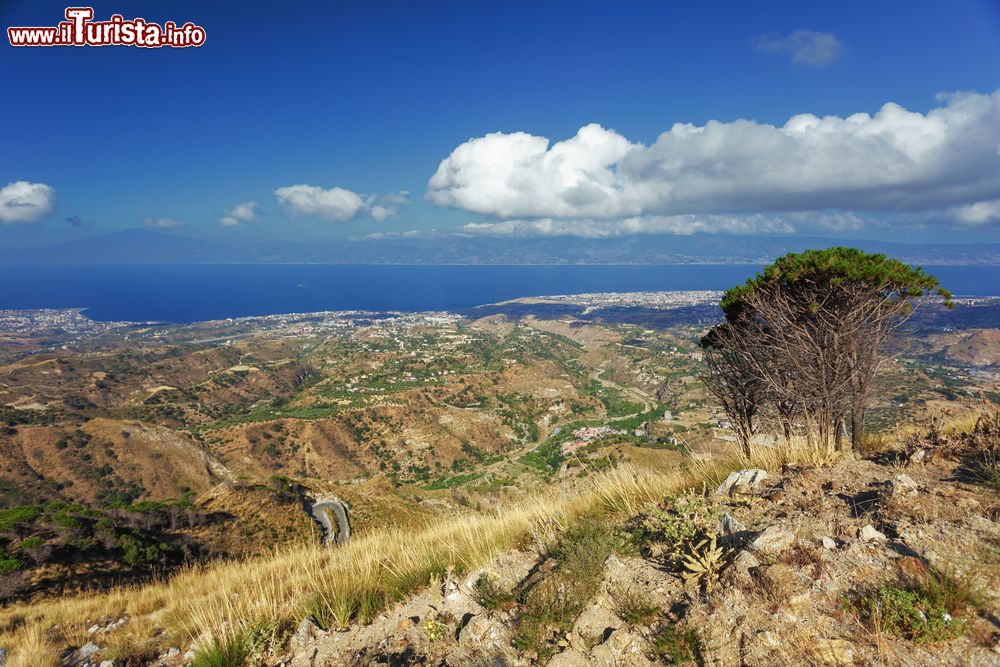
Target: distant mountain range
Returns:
[[139, 246]]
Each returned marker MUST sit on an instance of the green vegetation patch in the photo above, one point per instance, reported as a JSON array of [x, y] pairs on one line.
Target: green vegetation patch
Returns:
[[925, 608]]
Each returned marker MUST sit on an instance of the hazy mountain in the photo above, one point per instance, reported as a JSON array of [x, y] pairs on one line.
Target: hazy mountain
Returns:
[[138, 246]]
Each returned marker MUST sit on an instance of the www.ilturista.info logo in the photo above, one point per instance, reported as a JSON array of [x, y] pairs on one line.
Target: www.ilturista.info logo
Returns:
[[79, 29]]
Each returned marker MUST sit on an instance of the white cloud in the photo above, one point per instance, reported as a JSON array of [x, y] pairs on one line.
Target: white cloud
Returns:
[[396, 198], [162, 223], [338, 204], [894, 161], [806, 47], [22, 202], [335, 204], [980, 213], [380, 212], [242, 212]]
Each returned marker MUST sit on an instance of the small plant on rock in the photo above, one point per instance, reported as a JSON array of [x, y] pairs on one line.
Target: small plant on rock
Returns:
[[905, 614], [925, 607], [671, 525], [434, 629], [703, 563], [490, 595], [633, 606], [673, 646]]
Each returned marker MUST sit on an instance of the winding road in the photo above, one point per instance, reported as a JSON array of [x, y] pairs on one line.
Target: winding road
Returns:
[[331, 513]]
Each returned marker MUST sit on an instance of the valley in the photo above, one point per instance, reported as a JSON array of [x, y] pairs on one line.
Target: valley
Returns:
[[131, 449]]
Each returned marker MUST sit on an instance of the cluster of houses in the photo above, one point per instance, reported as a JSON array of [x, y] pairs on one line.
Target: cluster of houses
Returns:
[[582, 436]]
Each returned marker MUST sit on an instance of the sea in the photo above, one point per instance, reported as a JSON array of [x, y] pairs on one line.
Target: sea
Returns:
[[197, 292]]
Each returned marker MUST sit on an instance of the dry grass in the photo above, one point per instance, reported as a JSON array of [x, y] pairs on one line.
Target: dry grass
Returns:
[[254, 604], [257, 601]]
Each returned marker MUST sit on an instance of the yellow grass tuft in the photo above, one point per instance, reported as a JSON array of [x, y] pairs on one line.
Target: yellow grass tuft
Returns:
[[236, 602], [255, 603]]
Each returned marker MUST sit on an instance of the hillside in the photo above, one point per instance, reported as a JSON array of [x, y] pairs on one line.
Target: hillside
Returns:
[[890, 560], [879, 561]]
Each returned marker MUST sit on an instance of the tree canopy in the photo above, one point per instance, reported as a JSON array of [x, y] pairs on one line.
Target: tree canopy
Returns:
[[805, 337]]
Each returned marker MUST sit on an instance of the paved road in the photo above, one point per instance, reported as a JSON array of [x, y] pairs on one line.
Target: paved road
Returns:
[[331, 511]]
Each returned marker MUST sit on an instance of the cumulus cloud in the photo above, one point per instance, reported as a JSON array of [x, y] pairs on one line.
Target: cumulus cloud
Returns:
[[381, 213], [162, 223], [893, 161], [338, 204], [242, 212], [980, 213], [24, 202], [806, 47]]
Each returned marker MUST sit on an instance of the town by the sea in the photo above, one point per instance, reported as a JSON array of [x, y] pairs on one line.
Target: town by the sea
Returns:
[[198, 292]]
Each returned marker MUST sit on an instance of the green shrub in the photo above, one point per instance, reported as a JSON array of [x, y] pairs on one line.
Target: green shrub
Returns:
[[672, 524], [219, 654], [677, 647], [925, 606], [634, 606], [31, 542], [17, 515], [9, 564], [490, 595], [550, 607], [904, 613]]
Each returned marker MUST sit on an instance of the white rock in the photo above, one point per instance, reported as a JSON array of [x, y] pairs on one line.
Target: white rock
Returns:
[[741, 481], [773, 540], [870, 534], [569, 658], [904, 485], [829, 543]]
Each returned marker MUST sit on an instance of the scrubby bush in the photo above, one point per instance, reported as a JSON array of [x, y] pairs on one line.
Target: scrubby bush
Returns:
[[925, 606], [673, 646], [490, 595], [671, 526]]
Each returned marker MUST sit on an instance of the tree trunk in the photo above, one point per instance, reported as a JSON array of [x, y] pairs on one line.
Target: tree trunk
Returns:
[[857, 428]]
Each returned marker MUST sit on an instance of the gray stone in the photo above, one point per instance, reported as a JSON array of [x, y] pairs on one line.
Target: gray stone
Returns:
[[594, 623], [731, 531], [741, 481], [743, 562], [773, 540], [621, 648], [306, 633], [88, 649], [829, 543], [483, 631], [730, 525]]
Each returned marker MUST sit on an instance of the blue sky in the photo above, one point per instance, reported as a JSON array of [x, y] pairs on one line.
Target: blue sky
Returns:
[[321, 115]]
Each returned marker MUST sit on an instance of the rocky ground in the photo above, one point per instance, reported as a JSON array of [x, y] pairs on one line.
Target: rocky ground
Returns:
[[802, 554], [893, 559]]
